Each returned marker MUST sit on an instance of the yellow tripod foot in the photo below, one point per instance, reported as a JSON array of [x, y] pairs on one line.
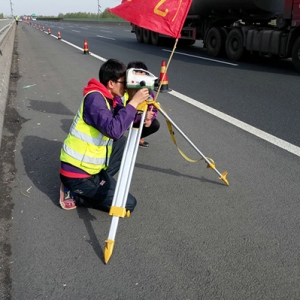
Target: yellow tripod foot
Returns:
[[109, 247], [223, 177]]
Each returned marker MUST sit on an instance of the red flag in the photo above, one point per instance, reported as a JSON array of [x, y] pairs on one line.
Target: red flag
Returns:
[[163, 16]]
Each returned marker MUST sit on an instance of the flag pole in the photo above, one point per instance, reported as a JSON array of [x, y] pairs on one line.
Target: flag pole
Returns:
[[163, 77]]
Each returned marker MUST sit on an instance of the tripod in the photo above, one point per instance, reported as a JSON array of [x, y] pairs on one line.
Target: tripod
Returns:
[[118, 209]]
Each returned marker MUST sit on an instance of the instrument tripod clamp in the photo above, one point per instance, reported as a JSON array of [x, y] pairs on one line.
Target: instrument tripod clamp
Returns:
[[119, 212], [142, 106]]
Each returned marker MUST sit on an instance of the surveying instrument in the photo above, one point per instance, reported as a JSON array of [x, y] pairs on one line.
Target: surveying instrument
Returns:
[[137, 79]]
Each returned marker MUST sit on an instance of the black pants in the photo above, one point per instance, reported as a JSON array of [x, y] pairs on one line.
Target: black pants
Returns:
[[149, 130], [98, 190]]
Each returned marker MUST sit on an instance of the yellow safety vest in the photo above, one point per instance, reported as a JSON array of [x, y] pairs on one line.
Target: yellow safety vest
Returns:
[[125, 98], [86, 147]]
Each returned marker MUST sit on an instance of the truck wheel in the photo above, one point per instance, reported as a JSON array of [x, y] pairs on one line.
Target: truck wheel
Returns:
[[139, 34], [146, 36], [215, 41], [156, 40], [296, 54], [234, 44]]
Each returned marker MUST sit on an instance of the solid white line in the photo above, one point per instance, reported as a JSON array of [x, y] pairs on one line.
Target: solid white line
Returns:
[[257, 132], [81, 49], [99, 57], [72, 45], [203, 58], [104, 37]]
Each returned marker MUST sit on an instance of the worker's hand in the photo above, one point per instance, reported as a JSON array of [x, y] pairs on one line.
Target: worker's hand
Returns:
[[139, 97], [147, 123], [149, 114]]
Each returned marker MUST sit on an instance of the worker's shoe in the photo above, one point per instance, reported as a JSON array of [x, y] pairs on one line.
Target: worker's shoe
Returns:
[[143, 143], [66, 198]]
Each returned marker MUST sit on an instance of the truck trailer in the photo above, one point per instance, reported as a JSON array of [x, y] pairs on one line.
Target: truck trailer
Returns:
[[236, 27]]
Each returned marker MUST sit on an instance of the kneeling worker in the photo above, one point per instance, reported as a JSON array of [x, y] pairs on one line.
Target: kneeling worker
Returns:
[[92, 152]]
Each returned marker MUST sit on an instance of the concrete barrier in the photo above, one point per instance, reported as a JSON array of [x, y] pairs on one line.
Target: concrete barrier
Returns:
[[7, 38]]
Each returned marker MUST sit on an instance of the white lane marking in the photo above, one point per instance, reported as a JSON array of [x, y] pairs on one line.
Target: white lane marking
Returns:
[[72, 45], [75, 30], [106, 31], [81, 49], [244, 126], [204, 58], [60, 27], [99, 57], [104, 37], [257, 132], [84, 28]]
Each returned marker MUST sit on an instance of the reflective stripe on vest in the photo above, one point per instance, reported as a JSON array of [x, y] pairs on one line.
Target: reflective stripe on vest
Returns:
[[84, 137], [82, 157], [86, 147], [87, 138]]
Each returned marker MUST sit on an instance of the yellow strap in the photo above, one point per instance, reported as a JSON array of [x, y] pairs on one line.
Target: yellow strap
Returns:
[[174, 141]]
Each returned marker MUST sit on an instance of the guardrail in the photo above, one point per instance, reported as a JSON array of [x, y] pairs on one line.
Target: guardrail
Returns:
[[4, 31]]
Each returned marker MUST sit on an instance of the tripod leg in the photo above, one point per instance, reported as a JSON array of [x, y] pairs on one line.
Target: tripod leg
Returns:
[[210, 163], [118, 209]]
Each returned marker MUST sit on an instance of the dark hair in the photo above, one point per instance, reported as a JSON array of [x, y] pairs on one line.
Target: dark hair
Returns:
[[112, 69], [137, 65]]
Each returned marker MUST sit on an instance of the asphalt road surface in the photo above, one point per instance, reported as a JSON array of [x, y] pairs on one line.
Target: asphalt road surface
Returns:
[[190, 237]]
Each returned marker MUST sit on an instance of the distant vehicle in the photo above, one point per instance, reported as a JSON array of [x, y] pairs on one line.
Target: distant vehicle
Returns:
[[33, 19]]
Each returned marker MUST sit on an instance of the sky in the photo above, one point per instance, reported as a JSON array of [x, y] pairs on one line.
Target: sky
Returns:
[[54, 7]]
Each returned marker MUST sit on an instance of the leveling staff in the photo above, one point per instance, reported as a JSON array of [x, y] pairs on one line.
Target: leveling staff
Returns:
[[91, 154]]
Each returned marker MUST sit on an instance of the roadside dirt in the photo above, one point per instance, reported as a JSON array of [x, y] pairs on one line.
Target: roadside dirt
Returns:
[[11, 127]]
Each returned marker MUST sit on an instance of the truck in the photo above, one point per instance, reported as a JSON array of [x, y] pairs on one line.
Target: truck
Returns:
[[234, 28]]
